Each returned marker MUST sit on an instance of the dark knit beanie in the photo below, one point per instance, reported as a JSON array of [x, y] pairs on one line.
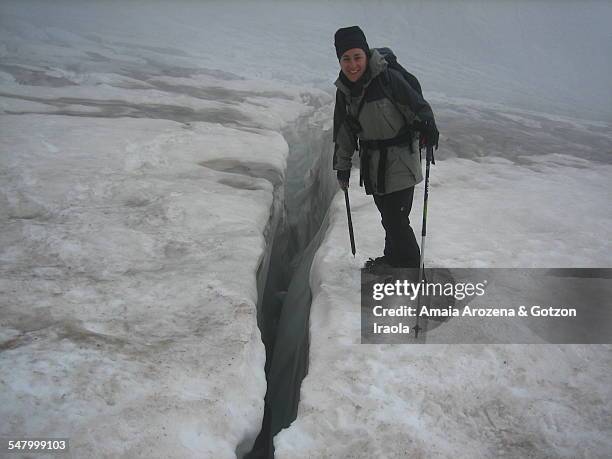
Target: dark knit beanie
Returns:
[[349, 38]]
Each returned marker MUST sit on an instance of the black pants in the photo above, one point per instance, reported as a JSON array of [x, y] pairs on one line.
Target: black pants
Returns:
[[401, 248]]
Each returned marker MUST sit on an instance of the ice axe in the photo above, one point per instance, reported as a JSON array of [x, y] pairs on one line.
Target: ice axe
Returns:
[[350, 220]]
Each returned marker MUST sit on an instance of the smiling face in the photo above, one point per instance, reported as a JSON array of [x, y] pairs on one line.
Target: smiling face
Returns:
[[353, 63]]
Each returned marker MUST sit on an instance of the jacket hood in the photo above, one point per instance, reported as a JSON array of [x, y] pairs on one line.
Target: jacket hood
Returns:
[[376, 65]]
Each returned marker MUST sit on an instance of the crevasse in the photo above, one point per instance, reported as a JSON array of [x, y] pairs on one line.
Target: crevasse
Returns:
[[284, 306]]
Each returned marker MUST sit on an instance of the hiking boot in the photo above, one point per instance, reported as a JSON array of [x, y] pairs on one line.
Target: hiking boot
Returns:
[[378, 265]]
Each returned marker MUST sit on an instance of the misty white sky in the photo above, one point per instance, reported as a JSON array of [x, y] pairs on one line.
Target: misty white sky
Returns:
[[548, 56]]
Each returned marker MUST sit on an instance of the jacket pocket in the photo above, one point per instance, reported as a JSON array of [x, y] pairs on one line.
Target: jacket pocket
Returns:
[[411, 160], [392, 117]]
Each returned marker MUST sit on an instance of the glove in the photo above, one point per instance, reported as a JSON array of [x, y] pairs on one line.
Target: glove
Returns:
[[343, 178], [429, 134]]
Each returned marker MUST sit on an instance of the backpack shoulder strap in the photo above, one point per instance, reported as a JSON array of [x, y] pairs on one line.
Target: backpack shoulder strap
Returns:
[[340, 112], [385, 79]]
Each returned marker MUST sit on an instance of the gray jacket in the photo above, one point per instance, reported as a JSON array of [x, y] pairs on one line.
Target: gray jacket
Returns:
[[380, 118]]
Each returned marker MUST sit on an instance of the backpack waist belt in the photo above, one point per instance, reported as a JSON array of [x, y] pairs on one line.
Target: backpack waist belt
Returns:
[[381, 146]]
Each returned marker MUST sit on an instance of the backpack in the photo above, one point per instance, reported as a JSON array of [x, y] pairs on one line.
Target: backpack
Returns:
[[392, 63]]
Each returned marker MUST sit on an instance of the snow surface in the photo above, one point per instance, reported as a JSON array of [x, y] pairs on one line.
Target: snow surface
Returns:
[[128, 283], [532, 204], [143, 159], [138, 209]]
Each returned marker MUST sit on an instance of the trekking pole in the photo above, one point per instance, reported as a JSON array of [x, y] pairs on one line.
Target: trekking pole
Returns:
[[429, 160], [350, 220]]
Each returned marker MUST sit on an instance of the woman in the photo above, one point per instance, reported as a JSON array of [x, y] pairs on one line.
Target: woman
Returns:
[[379, 113]]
